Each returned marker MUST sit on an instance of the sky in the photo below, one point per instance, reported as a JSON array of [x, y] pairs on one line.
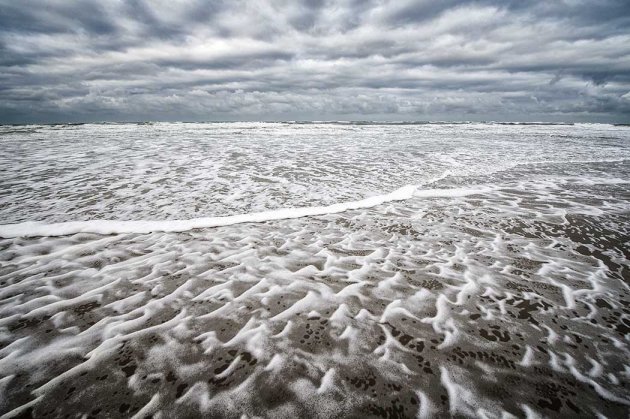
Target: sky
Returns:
[[413, 60]]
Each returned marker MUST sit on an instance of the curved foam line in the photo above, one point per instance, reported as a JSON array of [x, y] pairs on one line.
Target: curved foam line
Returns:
[[38, 229]]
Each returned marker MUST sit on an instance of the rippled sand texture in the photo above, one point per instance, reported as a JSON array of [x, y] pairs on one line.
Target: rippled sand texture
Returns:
[[510, 301]]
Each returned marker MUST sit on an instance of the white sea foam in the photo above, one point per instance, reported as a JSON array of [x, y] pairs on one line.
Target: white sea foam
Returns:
[[184, 171], [491, 289], [38, 229], [452, 192], [35, 229]]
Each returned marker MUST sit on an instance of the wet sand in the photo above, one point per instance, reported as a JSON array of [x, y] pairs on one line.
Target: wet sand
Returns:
[[498, 286], [506, 303]]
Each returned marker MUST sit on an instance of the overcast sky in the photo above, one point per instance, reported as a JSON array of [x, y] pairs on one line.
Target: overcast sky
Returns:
[[94, 60]]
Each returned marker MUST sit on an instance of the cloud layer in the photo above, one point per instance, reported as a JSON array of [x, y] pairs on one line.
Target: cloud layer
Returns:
[[92, 60]]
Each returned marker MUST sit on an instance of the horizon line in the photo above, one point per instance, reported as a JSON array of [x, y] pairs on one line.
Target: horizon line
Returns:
[[315, 121]]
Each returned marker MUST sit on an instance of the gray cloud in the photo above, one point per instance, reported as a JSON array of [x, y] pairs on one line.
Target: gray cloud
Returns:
[[94, 60]]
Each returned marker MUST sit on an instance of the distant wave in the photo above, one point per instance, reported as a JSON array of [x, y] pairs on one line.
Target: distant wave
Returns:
[[424, 123], [323, 122]]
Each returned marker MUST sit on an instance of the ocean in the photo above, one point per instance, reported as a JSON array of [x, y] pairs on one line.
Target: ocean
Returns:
[[315, 270]]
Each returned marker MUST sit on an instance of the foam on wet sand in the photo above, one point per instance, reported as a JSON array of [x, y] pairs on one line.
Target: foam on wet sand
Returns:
[[493, 290]]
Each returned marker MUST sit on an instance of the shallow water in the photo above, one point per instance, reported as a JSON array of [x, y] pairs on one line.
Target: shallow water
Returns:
[[497, 287]]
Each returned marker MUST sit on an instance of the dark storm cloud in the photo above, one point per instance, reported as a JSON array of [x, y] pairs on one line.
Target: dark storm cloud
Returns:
[[315, 59]]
